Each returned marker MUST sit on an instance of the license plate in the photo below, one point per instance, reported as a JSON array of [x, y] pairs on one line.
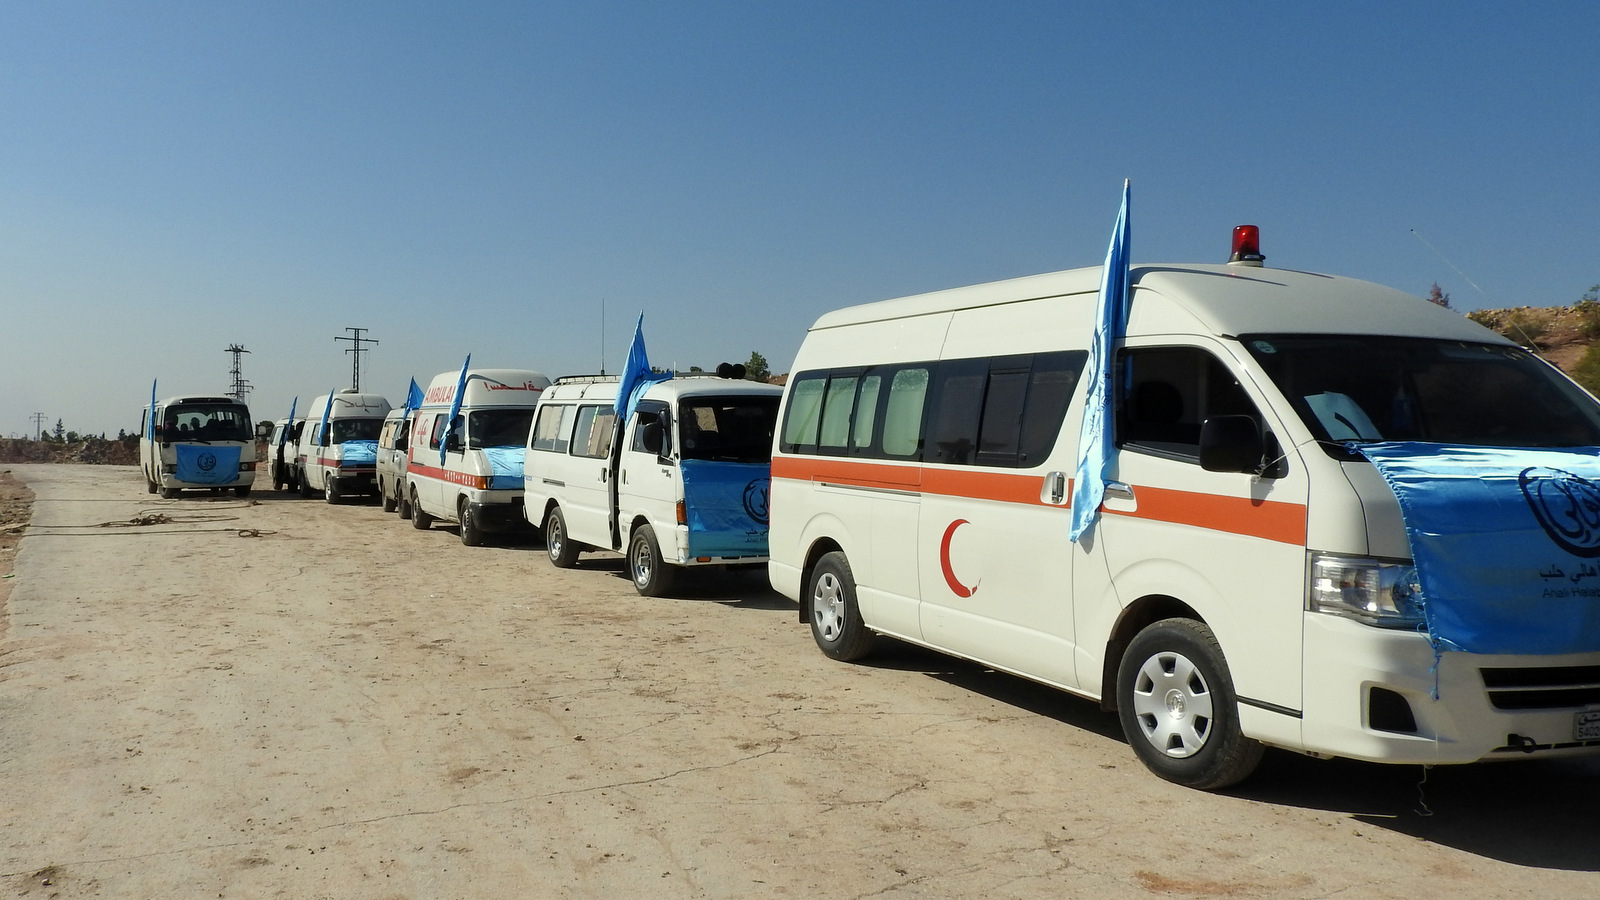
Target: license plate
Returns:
[[1586, 726]]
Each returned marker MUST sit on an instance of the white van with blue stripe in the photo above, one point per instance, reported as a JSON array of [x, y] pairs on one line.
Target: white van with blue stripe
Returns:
[[471, 474]]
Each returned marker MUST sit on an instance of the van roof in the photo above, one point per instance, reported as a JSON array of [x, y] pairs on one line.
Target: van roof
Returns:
[[604, 387], [1226, 300]]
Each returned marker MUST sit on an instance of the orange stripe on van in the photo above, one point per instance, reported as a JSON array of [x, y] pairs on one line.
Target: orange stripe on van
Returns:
[[1271, 520]]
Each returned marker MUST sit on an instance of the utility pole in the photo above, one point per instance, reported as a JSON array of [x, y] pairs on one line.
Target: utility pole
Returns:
[[38, 423], [355, 351], [240, 386]]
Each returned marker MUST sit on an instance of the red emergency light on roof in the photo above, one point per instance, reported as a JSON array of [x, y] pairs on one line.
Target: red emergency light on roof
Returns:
[[1246, 246]]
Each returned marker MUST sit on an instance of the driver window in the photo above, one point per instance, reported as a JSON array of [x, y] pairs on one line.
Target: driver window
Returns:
[[1165, 394]]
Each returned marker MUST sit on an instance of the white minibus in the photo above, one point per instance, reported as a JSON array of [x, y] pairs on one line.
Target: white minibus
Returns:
[[476, 481], [194, 443], [686, 486], [281, 450], [1247, 581], [338, 453]]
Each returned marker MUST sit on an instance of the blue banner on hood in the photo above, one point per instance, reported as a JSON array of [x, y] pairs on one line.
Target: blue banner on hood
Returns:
[[506, 465], [1506, 543], [358, 453], [726, 504], [203, 464]]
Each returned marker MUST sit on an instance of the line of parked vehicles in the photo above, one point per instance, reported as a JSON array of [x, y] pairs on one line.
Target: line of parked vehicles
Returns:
[[1248, 583]]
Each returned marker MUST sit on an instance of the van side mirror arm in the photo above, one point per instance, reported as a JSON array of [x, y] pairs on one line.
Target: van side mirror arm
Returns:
[[1235, 444]]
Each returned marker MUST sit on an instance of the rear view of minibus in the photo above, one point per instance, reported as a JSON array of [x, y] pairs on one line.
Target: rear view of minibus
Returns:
[[1261, 571]]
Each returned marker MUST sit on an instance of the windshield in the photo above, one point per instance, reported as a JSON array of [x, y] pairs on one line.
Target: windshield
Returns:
[[732, 429], [498, 428], [208, 422], [1358, 388], [343, 430]]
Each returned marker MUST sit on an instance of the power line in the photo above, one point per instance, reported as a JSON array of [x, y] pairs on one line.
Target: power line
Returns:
[[356, 350]]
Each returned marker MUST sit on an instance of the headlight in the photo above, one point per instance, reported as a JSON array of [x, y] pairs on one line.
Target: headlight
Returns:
[[1374, 591]]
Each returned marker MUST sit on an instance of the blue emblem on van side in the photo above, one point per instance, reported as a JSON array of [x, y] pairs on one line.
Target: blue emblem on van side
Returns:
[[755, 499]]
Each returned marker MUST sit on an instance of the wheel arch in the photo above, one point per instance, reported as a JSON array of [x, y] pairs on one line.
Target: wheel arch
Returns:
[[1137, 616], [818, 549]]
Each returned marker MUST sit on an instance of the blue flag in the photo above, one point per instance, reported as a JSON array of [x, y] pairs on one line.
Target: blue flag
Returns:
[[455, 407], [636, 376], [1506, 543], [413, 401], [284, 438], [1095, 438], [322, 430], [150, 424]]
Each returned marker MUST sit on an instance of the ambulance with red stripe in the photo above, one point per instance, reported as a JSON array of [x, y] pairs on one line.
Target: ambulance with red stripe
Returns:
[[338, 453], [1248, 580], [476, 481]]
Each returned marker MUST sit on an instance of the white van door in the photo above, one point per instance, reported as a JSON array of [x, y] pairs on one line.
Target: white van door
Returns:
[[650, 480], [1230, 545], [588, 468], [993, 553]]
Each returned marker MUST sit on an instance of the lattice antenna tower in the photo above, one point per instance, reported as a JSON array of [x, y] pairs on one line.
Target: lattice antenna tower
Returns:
[[241, 388], [355, 351]]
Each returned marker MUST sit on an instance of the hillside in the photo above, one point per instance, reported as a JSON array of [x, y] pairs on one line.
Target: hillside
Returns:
[[1561, 334]]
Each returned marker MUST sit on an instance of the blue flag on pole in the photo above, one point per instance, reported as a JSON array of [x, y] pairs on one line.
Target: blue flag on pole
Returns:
[[1506, 543], [323, 439], [455, 408], [636, 376], [284, 438], [150, 424], [1095, 447]]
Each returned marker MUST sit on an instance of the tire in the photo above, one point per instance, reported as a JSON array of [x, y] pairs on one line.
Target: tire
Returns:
[[419, 519], [563, 551], [242, 490], [835, 618], [387, 496], [1178, 709], [652, 576], [168, 493], [150, 487], [471, 529], [330, 488], [305, 487], [404, 503], [277, 476]]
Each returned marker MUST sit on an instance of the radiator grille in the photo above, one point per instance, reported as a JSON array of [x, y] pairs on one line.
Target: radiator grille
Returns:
[[1551, 687]]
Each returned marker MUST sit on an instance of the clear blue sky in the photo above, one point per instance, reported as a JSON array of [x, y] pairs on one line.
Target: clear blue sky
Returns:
[[478, 177]]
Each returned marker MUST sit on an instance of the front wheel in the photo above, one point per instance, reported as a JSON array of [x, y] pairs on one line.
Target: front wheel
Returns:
[[330, 487], [836, 623], [169, 493], [652, 576], [150, 487], [471, 528], [242, 490], [1178, 709], [563, 552], [419, 519]]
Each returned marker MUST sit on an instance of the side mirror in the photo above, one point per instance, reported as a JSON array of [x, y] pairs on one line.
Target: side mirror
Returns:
[[650, 436], [400, 443], [1232, 444], [453, 443]]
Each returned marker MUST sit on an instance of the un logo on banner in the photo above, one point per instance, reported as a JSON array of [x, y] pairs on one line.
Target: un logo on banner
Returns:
[[755, 500], [1567, 507], [206, 461]]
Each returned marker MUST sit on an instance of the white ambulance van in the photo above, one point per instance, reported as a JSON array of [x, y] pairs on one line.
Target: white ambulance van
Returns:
[[338, 453], [282, 448], [197, 443], [685, 486], [392, 462], [1246, 583], [478, 482]]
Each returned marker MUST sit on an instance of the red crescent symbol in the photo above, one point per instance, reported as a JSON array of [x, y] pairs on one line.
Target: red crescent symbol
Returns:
[[956, 587]]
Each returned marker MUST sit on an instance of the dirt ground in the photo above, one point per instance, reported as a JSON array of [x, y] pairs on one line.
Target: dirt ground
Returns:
[[282, 698]]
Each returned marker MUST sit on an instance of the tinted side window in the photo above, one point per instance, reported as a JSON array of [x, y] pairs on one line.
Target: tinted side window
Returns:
[[1165, 394], [596, 427]]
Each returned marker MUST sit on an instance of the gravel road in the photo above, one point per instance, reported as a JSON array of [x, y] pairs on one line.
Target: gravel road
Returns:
[[281, 698]]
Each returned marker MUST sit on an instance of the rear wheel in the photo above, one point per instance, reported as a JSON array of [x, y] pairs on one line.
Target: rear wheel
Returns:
[[563, 552], [169, 493], [389, 502], [1178, 709], [150, 487], [471, 528], [404, 502], [652, 577], [419, 519], [836, 623]]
